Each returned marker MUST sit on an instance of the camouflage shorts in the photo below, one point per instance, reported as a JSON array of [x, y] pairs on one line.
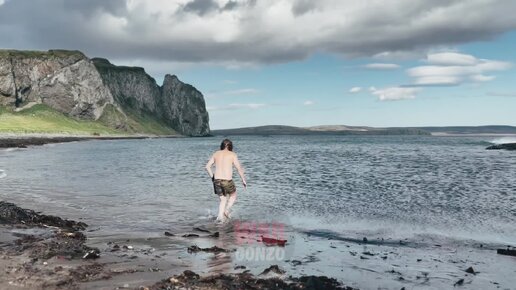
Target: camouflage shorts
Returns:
[[224, 187]]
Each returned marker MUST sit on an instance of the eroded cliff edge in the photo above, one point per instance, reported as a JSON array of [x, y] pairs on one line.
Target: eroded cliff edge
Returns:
[[94, 89]]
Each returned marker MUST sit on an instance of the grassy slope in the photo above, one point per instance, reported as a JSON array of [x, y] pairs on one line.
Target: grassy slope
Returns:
[[41, 119]]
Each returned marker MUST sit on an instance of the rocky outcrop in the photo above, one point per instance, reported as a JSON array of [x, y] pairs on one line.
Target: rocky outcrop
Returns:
[[506, 146], [84, 88], [179, 105], [64, 80]]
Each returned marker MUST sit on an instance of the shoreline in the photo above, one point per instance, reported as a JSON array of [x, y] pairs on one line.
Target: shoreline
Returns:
[[25, 140], [41, 251]]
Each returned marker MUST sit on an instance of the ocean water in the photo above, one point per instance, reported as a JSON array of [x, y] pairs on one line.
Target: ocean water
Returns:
[[395, 185], [417, 188]]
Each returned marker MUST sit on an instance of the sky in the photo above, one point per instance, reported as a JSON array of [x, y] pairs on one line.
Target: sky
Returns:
[[383, 63]]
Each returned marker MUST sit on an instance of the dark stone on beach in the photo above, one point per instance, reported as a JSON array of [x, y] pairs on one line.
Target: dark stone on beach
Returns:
[[419, 260], [169, 234], [364, 240], [12, 214], [190, 236], [201, 230], [240, 267], [368, 253], [214, 249], [274, 269], [247, 281], [459, 283], [296, 262], [507, 252], [214, 235], [471, 271], [506, 146], [93, 254], [364, 258]]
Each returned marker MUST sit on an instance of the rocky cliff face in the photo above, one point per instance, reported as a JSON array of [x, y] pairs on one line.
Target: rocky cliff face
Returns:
[[71, 83], [176, 104], [64, 80]]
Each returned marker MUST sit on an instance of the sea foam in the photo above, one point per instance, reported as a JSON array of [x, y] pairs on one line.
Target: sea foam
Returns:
[[504, 140]]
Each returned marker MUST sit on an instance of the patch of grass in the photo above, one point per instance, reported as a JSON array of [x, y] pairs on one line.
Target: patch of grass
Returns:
[[147, 124], [42, 119]]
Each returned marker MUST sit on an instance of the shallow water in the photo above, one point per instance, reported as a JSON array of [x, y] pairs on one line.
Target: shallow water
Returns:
[[418, 188]]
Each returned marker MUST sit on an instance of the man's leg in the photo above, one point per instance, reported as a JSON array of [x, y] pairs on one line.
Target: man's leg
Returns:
[[232, 199], [222, 208]]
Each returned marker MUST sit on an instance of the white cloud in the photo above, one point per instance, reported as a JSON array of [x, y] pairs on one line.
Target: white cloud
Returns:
[[2, 2], [382, 66], [308, 103], [246, 32], [451, 68], [394, 93], [354, 90]]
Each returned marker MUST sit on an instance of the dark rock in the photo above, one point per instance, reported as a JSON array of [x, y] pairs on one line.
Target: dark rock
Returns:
[[214, 249], [274, 269], [190, 236], [364, 240], [368, 253], [201, 230], [93, 254], [214, 235], [507, 252], [471, 271], [240, 267], [459, 283], [169, 234], [296, 262], [506, 146]]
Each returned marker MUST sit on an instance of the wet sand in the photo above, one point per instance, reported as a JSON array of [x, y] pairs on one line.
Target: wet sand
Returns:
[[46, 252]]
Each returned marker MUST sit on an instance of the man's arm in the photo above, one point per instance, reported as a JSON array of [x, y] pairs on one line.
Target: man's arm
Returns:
[[209, 165], [240, 170]]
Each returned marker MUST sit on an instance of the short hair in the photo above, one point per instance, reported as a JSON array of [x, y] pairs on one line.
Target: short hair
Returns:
[[226, 143]]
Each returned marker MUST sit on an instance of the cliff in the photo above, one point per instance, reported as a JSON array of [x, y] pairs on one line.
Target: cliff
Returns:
[[175, 103], [94, 89]]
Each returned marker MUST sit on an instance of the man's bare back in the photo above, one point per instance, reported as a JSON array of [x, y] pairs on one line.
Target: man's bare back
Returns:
[[223, 184]]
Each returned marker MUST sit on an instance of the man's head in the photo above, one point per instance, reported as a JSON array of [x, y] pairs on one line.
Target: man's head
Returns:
[[226, 144]]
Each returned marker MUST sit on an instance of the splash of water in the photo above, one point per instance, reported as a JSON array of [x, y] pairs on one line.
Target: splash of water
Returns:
[[2, 174], [504, 140]]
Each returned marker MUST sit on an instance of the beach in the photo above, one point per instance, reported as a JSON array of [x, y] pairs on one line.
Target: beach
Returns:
[[150, 214]]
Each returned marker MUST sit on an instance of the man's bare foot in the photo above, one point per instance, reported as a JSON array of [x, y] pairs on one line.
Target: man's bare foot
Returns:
[[227, 215]]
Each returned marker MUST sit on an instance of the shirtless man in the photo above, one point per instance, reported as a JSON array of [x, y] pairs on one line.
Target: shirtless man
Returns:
[[223, 184]]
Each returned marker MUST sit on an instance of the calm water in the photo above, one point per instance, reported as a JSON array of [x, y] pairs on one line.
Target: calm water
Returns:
[[398, 187]]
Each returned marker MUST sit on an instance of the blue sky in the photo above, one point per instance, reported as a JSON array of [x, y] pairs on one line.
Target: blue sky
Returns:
[[300, 62]]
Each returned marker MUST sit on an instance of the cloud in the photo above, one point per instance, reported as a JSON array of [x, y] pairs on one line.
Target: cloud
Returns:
[[308, 103], [382, 66], [394, 93], [237, 106], [451, 68], [250, 31], [355, 90]]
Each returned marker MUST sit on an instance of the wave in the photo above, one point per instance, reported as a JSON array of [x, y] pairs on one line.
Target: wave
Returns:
[[2, 174], [503, 140]]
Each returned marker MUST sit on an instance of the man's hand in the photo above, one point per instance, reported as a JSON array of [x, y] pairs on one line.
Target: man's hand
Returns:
[[245, 184]]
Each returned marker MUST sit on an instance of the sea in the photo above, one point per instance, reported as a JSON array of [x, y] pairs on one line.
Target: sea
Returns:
[[419, 193]]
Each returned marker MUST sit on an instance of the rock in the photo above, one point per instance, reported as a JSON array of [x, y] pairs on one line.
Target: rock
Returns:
[[240, 267], [201, 230], [93, 254], [364, 240], [94, 89], [296, 262], [507, 252], [190, 236], [274, 269], [214, 249], [506, 146], [459, 283], [214, 235], [169, 234], [471, 271]]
